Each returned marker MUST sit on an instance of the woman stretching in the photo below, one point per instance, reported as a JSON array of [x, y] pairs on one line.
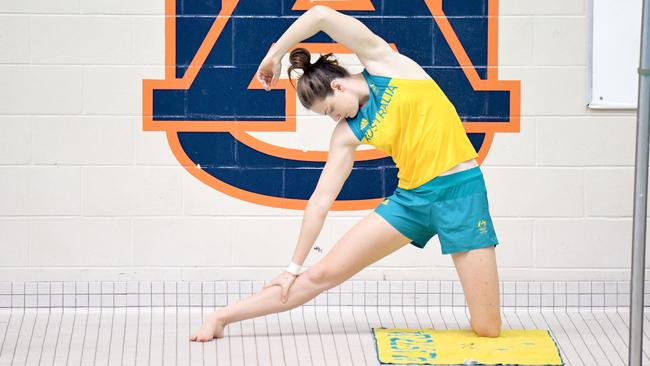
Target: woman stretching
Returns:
[[396, 107]]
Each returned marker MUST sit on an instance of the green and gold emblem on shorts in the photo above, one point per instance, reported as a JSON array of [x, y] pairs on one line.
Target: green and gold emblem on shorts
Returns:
[[481, 225], [364, 123], [385, 202]]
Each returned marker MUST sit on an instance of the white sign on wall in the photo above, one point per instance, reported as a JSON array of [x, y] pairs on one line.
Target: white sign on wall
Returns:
[[616, 37]]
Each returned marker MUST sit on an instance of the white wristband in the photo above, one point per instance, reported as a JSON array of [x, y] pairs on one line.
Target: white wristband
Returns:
[[294, 268]]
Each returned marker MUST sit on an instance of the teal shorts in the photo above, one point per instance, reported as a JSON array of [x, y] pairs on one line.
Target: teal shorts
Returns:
[[454, 206]]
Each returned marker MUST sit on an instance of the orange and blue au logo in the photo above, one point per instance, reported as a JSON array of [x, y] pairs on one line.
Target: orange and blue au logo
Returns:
[[210, 104]]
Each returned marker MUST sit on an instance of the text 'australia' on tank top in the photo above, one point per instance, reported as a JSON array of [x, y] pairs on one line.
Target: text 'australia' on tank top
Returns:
[[414, 122]]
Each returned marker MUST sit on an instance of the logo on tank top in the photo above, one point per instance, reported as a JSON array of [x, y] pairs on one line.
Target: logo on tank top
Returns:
[[373, 88], [382, 113]]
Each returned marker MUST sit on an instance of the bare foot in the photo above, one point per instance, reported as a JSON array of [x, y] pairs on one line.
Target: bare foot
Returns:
[[212, 328]]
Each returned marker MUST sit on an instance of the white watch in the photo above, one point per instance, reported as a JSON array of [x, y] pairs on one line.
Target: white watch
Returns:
[[294, 268]]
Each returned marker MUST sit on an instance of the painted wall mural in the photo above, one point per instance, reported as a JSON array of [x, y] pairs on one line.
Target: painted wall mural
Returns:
[[210, 101]]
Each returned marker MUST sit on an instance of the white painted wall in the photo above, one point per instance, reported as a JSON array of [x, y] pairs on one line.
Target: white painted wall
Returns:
[[85, 193]]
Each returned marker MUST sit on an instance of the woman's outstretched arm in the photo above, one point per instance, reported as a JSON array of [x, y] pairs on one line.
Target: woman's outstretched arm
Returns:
[[376, 55], [340, 161], [344, 29]]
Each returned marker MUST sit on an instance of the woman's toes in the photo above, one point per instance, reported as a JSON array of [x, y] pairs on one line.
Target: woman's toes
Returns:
[[212, 328]]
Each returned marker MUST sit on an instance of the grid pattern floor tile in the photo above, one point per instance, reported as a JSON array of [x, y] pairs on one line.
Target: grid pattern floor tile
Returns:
[[307, 335]]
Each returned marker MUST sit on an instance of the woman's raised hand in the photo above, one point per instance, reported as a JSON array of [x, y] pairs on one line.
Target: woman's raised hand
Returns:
[[284, 280], [268, 72]]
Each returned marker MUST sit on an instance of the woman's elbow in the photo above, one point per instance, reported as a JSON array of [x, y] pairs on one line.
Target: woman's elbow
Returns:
[[320, 12], [320, 204]]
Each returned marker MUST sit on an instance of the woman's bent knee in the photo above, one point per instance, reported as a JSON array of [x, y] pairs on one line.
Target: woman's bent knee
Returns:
[[491, 332], [491, 328]]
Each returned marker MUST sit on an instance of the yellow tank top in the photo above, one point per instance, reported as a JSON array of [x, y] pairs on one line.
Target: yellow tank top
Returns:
[[414, 122]]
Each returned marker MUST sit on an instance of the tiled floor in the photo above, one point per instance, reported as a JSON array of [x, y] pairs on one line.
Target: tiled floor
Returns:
[[308, 335]]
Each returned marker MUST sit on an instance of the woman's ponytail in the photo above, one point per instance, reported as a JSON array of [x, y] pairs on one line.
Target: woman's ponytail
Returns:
[[300, 59]]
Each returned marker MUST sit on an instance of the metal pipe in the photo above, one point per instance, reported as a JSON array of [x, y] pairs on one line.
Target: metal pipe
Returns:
[[640, 195]]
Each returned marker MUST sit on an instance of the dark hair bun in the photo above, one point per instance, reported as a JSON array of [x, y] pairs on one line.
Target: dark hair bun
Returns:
[[300, 59], [315, 80]]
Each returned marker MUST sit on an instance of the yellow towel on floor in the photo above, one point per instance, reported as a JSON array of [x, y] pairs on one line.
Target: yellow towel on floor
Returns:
[[453, 347]]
